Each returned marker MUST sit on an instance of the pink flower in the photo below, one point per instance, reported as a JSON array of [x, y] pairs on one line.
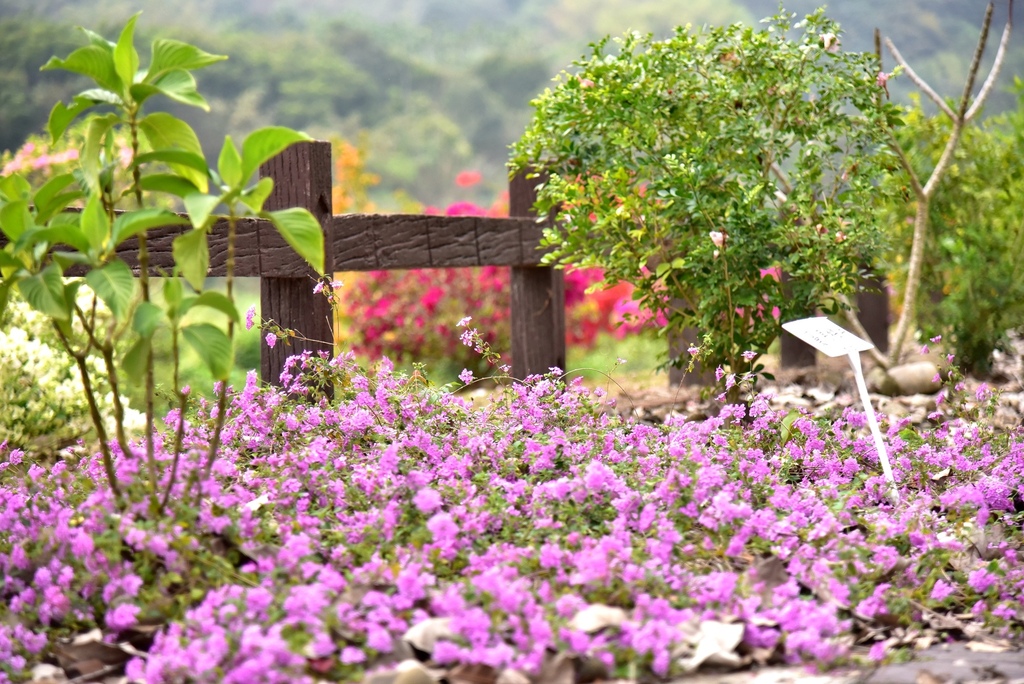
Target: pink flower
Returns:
[[250, 314], [468, 178], [717, 237], [271, 340]]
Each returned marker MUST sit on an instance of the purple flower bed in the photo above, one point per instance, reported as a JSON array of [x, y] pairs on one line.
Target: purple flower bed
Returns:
[[329, 530]]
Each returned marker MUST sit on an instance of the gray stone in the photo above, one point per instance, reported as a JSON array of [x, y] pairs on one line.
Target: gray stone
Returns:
[[916, 378], [880, 382]]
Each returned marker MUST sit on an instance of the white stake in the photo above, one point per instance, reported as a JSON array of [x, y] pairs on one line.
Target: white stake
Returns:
[[832, 340]]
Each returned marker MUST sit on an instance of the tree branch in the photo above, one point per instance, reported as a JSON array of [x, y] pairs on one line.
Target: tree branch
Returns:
[[972, 73], [997, 64], [918, 81], [787, 187]]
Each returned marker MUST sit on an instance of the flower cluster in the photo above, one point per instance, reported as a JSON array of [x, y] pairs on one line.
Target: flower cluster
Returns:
[[328, 530]]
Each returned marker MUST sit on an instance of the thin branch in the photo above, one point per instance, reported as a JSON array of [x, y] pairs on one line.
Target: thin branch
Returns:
[[997, 64], [787, 187], [918, 81], [972, 73], [904, 160]]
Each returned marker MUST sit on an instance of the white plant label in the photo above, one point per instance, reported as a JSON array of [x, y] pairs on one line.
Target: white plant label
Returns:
[[826, 336], [833, 340]]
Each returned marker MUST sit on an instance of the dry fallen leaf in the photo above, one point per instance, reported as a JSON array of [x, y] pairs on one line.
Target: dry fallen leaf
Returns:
[[988, 646], [596, 617], [424, 635], [716, 645]]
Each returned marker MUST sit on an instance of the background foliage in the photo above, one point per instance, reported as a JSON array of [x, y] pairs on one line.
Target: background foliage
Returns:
[[436, 85]]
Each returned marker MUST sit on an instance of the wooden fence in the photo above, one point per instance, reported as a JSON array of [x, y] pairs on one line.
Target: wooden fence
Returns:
[[365, 242]]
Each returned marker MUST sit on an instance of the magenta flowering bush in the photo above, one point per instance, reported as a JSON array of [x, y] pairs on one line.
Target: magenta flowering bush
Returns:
[[399, 521]]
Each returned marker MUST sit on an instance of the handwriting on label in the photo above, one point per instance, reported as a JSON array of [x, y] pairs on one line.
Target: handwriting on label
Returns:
[[826, 336]]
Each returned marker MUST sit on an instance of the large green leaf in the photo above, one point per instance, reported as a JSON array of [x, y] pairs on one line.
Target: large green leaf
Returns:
[[229, 164], [136, 359], [177, 84], [15, 187], [264, 144], [91, 150], [170, 183], [166, 132], [215, 300], [148, 317], [255, 196], [126, 57], [49, 200], [63, 234], [96, 224], [192, 257], [175, 157], [115, 285], [213, 347], [134, 222], [200, 209], [173, 54], [61, 115], [94, 61], [44, 292], [300, 230], [15, 219]]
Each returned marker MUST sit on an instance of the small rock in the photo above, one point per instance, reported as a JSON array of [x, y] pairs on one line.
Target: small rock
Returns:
[[413, 674], [880, 382], [820, 394], [916, 378], [920, 401]]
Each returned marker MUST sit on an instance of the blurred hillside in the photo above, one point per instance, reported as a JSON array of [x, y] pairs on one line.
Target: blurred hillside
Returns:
[[433, 87]]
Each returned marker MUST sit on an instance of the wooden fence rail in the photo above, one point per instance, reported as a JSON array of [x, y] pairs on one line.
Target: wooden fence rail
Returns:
[[355, 242]]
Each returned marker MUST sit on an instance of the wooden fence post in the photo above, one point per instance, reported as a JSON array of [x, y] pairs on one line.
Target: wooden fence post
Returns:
[[302, 178], [538, 300]]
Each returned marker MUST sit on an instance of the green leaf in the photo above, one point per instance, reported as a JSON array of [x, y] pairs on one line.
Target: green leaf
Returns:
[[126, 57], [173, 54], [218, 301], [94, 144], [66, 260], [47, 199], [8, 261], [229, 164], [213, 347], [15, 219], [63, 234], [94, 61], [255, 196], [115, 285], [134, 222], [170, 183], [5, 295], [300, 230], [192, 257], [264, 144], [148, 317], [15, 187], [96, 224], [172, 293], [166, 132], [44, 292], [61, 116], [200, 208], [175, 157], [178, 85], [136, 359]]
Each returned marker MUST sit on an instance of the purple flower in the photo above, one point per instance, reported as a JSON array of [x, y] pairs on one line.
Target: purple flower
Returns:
[[427, 500], [466, 376], [271, 340], [941, 591], [122, 617], [250, 314]]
